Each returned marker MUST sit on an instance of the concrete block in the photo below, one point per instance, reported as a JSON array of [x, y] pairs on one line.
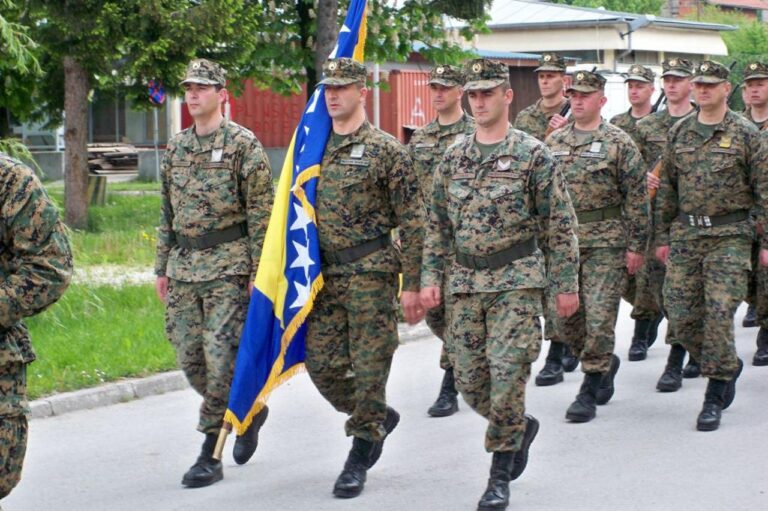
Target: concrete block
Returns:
[[51, 164], [147, 167], [160, 384]]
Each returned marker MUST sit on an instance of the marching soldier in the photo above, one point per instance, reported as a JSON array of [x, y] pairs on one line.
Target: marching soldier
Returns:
[[427, 146], [496, 195], [713, 176], [539, 120], [640, 88], [216, 199], [606, 180]]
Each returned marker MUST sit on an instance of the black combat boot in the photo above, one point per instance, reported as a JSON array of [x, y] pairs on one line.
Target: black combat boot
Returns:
[[672, 378], [584, 408], [606, 389], [569, 359], [351, 481], [709, 417], [761, 355], [245, 444], [521, 456], [638, 350], [447, 403], [496, 495], [653, 329], [750, 318], [692, 369], [552, 372], [390, 422], [730, 389], [206, 469]]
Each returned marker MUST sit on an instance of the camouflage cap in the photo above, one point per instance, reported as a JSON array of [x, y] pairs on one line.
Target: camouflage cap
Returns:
[[754, 70], [206, 72], [447, 76], [677, 67], [484, 74], [639, 73], [710, 71], [587, 81], [551, 62], [343, 72]]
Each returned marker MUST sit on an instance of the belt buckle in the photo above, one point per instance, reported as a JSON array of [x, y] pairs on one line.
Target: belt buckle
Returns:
[[692, 220], [704, 221]]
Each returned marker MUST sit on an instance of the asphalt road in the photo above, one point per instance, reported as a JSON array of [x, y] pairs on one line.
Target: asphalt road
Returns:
[[641, 453]]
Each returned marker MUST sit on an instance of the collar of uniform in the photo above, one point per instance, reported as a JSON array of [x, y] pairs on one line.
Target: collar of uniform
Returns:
[[189, 138], [457, 127], [352, 138], [560, 106], [474, 151], [596, 135]]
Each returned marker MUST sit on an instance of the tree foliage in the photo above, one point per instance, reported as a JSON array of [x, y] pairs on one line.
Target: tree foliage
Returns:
[[633, 6]]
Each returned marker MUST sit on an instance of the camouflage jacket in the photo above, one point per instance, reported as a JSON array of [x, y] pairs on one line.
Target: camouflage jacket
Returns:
[[533, 120], [651, 135], [427, 146], [627, 123], [604, 171], [208, 188], [482, 206], [759, 125], [367, 187], [712, 175], [35, 258]]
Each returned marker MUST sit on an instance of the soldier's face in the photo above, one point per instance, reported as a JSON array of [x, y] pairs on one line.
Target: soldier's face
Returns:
[[344, 101], [444, 99], [756, 92], [711, 95], [491, 106], [639, 93], [586, 106], [203, 100], [550, 83], [677, 88]]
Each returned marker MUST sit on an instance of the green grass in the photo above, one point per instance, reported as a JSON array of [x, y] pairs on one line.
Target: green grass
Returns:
[[98, 334], [121, 232]]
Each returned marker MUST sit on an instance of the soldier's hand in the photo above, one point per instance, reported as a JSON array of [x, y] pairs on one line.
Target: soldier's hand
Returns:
[[557, 121], [161, 288], [662, 253], [764, 257], [634, 261], [567, 304], [430, 297], [250, 287], [412, 309], [652, 181]]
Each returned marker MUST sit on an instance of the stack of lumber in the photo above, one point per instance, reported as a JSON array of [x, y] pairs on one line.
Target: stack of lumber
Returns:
[[112, 159]]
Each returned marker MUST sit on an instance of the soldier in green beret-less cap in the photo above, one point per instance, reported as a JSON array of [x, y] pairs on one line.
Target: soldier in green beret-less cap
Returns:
[[205, 72], [485, 74], [677, 67], [343, 71], [710, 71]]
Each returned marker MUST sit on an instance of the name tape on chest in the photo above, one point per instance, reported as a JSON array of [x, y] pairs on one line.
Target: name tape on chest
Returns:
[[355, 162], [590, 154], [561, 153], [425, 145]]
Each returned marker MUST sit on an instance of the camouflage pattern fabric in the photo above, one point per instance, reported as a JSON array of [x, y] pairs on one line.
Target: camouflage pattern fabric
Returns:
[[206, 188], [496, 337], [343, 71], [590, 332], [35, 269], [481, 206], [203, 321], [717, 172], [627, 123], [757, 294], [534, 119], [446, 75], [205, 72], [651, 135], [705, 283], [427, 147], [368, 187], [351, 338]]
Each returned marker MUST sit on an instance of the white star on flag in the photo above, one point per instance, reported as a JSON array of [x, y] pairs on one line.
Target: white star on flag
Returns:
[[302, 258], [302, 219], [302, 295]]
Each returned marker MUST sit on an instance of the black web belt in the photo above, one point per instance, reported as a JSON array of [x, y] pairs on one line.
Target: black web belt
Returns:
[[499, 259], [598, 215], [211, 239], [348, 255], [713, 220]]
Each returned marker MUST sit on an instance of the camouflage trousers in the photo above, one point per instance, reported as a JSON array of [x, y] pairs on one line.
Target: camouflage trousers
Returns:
[[204, 321], [351, 339], [591, 330], [644, 289], [706, 281], [13, 424], [436, 321], [494, 338], [758, 287]]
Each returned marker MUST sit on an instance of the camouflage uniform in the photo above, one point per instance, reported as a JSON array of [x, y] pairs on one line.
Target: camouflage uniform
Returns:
[[627, 121], [36, 266], [710, 181], [533, 119], [216, 199], [491, 211], [427, 147], [606, 181], [368, 187]]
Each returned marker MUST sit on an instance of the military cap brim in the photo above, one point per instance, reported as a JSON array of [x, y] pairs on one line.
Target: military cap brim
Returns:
[[444, 82], [636, 78], [549, 67], [708, 79], [676, 72], [201, 81], [339, 81], [484, 84], [583, 88], [755, 76]]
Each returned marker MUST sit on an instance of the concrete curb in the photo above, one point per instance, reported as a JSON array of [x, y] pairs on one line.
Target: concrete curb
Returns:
[[137, 388]]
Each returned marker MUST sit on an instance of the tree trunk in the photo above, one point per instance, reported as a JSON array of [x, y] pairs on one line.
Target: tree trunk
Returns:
[[75, 144], [327, 13]]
